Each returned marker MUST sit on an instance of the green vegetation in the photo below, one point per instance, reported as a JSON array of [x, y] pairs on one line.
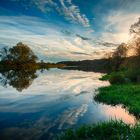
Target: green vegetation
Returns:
[[18, 66], [113, 130], [115, 77], [125, 89], [20, 53], [123, 76], [126, 94], [22, 57]]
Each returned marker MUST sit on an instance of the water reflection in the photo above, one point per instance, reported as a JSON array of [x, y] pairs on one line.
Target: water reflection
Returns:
[[20, 80], [55, 101]]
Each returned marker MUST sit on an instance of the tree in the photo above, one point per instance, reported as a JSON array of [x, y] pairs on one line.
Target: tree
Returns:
[[20, 53], [4, 54], [135, 28], [121, 51], [138, 46]]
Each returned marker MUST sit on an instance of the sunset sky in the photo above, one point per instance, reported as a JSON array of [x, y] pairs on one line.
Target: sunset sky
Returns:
[[67, 29]]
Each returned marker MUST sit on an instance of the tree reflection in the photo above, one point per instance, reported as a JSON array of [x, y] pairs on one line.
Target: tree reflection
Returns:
[[18, 79], [18, 66]]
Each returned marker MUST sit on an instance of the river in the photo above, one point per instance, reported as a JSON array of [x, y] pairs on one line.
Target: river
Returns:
[[51, 103]]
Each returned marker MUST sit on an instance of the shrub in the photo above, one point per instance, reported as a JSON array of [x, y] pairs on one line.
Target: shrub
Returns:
[[133, 75], [105, 77], [117, 79]]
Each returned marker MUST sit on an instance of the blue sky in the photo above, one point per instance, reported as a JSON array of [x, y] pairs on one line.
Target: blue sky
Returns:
[[67, 29]]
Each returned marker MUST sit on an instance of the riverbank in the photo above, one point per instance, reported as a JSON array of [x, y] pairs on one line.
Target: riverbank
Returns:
[[126, 94], [113, 130], [125, 90]]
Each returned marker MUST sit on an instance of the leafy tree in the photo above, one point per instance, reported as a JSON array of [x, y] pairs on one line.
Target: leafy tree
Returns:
[[4, 54], [20, 53]]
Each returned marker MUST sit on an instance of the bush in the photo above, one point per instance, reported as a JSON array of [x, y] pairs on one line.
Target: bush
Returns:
[[117, 79], [105, 77], [133, 75]]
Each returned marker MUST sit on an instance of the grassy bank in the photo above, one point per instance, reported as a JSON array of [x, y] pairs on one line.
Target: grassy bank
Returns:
[[126, 94], [125, 90], [113, 130]]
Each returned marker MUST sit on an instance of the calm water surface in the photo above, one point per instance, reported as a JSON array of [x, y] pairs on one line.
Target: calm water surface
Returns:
[[54, 101]]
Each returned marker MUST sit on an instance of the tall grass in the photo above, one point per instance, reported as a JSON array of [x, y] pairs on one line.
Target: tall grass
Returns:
[[112, 130]]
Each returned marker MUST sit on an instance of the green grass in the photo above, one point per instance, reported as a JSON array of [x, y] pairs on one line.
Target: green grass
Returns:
[[122, 76], [121, 72], [113, 130], [126, 94], [105, 77], [116, 77]]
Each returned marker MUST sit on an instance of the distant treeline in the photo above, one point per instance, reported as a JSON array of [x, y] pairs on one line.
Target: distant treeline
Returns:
[[116, 61], [97, 65], [103, 65]]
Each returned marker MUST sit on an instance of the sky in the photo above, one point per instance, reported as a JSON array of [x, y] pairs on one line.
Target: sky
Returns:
[[67, 29]]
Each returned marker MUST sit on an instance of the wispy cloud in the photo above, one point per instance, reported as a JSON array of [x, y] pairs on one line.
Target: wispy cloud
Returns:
[[66, 8], [47, 40], [72, 13], [117, 26]]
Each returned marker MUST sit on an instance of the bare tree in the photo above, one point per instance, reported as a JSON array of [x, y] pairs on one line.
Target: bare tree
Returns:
[[135, 28], [121, 51], [138, 46]]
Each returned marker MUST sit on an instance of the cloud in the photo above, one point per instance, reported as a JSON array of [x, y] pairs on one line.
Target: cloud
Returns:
[[72, 13], [66, 8], [82, 37], [46, 40], [117, 26], [45, 5]]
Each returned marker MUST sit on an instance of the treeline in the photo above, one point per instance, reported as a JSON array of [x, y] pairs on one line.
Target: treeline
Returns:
[[97, 65], [21, 57]]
